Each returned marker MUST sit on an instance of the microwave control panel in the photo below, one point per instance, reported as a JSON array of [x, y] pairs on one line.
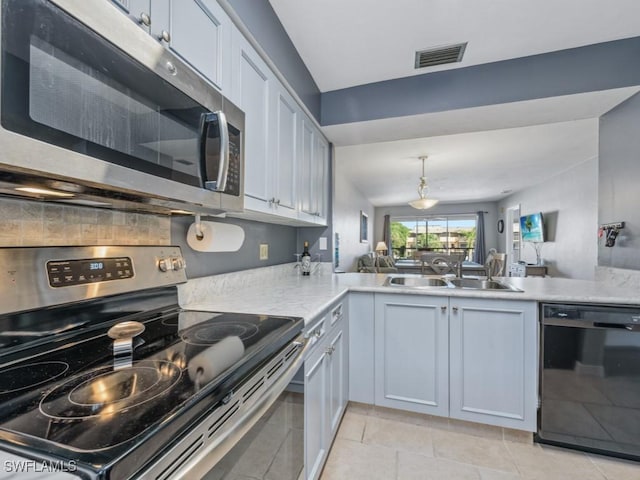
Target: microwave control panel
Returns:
[[65, 273]]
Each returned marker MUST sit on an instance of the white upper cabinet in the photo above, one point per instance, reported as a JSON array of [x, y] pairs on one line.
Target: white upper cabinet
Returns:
[[252, 83], [314, 176], [286, 157], [286, 153], [270, 136], [198, 31]]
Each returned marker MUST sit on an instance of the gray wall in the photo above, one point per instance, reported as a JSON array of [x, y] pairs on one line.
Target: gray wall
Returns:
[[577, 70], [348, 202], [619, 191], [264, 25], [490, 218], [281, 240], [569, 206]]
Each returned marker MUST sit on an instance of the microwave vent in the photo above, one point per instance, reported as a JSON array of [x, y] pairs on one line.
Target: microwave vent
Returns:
[[440, 55]]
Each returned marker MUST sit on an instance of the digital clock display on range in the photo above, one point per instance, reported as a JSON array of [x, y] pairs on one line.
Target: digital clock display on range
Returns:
[[64, 273], [93, 265]]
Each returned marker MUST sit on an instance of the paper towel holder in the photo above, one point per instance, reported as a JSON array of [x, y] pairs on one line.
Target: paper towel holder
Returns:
[[198, 228], [227, 237]]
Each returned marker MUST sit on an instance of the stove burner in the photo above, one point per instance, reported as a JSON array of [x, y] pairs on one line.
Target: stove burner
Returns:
[[171, 321], [31, 375], [105, 391], [210, 334]]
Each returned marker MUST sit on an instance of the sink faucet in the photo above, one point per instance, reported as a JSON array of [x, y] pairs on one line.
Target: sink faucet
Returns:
[[489, 265], [458, 268]]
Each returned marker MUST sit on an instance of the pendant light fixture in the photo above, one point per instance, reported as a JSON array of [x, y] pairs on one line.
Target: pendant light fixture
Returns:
[[423, 202]]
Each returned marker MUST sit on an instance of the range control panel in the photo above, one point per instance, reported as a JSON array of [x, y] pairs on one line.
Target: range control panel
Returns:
[[64, 273]]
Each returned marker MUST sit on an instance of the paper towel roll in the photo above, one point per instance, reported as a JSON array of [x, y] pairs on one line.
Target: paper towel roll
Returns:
[[217, 237], [214, 360]]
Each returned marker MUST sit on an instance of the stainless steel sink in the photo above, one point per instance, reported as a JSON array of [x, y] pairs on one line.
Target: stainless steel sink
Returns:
[[479, 284], [412, 281], [416, 282]]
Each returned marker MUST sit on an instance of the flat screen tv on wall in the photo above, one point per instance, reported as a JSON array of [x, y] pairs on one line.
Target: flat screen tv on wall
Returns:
[[532, 228]]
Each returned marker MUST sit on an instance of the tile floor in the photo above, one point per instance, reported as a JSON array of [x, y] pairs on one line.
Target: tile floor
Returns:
[[379, 443]]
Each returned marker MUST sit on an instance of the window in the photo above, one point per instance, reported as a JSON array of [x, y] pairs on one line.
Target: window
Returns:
[[411, 236]]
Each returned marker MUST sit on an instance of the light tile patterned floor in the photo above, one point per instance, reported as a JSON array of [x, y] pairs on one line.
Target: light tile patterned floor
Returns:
[[379, 443]]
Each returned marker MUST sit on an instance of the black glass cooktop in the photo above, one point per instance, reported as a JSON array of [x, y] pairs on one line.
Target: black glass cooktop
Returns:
[[75, 401]]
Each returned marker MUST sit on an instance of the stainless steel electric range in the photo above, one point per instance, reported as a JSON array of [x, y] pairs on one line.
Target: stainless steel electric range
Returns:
[[103, 376]]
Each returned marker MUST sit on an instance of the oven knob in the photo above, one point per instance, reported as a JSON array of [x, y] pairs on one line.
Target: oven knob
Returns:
[[177, 263], [163, 264]]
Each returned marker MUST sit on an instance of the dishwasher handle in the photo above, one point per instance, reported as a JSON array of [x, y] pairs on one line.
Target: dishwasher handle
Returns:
[[566, 322], [622, 326]]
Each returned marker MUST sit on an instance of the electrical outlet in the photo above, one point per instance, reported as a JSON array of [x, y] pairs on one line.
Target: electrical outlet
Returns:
[[264, 251]]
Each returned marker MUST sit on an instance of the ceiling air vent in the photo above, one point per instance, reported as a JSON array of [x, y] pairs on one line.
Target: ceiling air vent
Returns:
[[440, 55]]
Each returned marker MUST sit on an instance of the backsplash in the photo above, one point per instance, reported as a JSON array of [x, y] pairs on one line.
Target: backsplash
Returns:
[[30, 223]]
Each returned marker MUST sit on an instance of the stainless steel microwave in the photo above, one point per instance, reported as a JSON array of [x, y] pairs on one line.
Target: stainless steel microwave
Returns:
[[95, 111]]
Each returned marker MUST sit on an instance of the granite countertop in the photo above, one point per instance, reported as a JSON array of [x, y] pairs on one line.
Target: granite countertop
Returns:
[[278, 291]]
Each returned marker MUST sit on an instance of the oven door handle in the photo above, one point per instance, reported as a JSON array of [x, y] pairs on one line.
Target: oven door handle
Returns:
[[208, 457], [220, 184]]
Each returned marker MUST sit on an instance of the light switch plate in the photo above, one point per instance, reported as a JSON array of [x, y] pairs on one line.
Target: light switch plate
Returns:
[[264, 251], [322, 244]]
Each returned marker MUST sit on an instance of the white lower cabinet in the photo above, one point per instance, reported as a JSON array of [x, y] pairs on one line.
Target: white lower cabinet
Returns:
[[315, 411], [492, 362], [472, 359], [361, 348], [411, 345], [325, 388]]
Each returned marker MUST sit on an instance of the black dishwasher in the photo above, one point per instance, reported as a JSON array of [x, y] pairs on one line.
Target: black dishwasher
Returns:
[[590, 378]]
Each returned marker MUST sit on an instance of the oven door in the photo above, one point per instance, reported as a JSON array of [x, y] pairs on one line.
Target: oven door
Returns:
[[66, 85], [256, 431], [273, 448]]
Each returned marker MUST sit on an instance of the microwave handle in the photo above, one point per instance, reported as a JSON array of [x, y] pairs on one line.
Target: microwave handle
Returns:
[[220, 183]]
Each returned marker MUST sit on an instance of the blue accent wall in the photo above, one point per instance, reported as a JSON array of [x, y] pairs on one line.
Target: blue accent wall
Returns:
[[591, 68]]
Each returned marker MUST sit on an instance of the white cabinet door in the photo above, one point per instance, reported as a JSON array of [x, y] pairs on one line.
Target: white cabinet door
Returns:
[[251, 89], [361, 347], [198, 31], [201, 34], [320, 191], [315, 413], [307, 171], [285, 155], [493, 365], [314, 177], [336, 380], [411, 344]]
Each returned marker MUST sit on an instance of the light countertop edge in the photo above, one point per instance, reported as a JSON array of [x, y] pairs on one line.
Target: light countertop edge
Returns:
[[309, 297]]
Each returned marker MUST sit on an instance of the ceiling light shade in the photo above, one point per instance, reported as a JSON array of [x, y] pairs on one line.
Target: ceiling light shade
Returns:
[[423, 202]]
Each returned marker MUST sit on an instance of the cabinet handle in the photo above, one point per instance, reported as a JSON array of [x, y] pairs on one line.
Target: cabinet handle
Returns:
[[144, 19], [443, 308], [272, 201], [455, 309], [330, 350], [164, 36], [278, 202]]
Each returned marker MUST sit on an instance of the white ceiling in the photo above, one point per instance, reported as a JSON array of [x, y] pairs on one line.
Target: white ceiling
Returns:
[[474, 154], [352, 42]]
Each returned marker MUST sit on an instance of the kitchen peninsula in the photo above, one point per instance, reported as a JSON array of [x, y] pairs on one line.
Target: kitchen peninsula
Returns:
[[393, 334]]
